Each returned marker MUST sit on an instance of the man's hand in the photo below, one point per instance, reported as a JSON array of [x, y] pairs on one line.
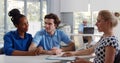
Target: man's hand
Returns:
[[40, 50], [53, 51], [56, 50]]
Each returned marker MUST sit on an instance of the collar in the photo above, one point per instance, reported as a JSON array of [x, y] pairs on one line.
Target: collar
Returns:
[[55, 33], [18, 36]]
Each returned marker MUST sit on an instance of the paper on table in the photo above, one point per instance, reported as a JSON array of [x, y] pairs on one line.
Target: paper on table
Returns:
[[68, 58], [60, 58]]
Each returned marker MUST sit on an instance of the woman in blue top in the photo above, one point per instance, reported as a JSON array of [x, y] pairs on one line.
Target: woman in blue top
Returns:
[[17, 42]]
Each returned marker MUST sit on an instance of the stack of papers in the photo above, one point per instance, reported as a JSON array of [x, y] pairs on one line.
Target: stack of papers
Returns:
[[71, 58]]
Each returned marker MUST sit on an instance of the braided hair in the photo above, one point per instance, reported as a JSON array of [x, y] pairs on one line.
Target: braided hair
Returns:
[[15, 16]]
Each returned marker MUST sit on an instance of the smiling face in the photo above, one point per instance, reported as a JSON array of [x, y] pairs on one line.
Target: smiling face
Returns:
[[106, 21], [101, 24], [23, 24], [49, 25]]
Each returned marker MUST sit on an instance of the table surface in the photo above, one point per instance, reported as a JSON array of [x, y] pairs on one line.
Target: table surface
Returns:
[[85, 34], [36, 59], [26, 59]]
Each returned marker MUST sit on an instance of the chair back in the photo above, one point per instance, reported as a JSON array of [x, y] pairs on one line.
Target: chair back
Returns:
[[117, 57]]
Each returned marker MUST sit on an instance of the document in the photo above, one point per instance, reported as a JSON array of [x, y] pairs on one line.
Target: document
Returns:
[[71, 58]]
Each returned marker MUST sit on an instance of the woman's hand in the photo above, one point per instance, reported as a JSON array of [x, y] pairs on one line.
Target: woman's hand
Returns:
[[66, 54], [40, 50], [31, 53], [80, 60]]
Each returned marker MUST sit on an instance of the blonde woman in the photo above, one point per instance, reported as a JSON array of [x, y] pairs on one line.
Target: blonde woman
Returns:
[[107, 46]]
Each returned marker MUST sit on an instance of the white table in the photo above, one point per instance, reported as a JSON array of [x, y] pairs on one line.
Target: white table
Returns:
[[26, 59], [35, 59], [85, 34]]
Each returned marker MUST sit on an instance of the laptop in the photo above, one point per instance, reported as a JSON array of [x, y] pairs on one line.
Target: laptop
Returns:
[[88, 30]]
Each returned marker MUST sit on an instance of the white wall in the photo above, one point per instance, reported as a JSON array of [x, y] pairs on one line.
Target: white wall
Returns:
[[58, 6], [68, 18], [112, 5], [54, 7], [73, 5]]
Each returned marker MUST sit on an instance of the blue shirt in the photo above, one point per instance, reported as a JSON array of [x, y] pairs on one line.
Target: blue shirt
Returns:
[[12, 41], [81, 26], [42, 38]]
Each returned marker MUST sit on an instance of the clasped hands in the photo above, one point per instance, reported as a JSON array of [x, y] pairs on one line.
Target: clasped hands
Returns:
[[40, 50]]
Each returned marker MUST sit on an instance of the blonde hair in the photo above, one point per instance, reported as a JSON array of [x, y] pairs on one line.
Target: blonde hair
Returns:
[[108, 16]]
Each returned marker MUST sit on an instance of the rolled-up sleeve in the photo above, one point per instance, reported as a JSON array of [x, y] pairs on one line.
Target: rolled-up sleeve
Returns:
[[8, 49]]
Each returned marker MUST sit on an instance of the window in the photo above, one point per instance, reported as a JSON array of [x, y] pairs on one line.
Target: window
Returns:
[[1, 20], [34, 8], [35, 15], [79, 17], [11, 5]]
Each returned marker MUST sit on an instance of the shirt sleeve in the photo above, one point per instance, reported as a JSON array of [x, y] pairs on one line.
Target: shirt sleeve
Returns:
[[65, 38], [112, 42], [37, 38], [8, 45]]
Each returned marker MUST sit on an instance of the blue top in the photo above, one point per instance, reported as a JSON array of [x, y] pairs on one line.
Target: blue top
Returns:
[[42, 38], [12, 41], [81, 26]]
